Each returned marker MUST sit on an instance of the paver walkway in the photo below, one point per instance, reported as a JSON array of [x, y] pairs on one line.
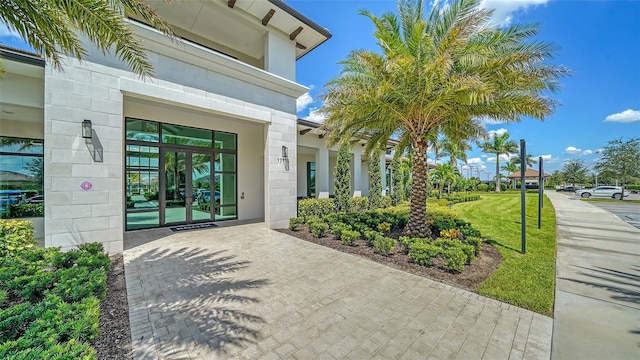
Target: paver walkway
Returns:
[[597, 304], [252, 293]]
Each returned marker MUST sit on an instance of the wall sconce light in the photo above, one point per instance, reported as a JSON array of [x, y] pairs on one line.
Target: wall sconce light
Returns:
[[86, 129], [285, 152]]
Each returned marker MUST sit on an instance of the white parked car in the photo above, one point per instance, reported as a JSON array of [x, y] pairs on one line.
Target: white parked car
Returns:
[[602, 191]]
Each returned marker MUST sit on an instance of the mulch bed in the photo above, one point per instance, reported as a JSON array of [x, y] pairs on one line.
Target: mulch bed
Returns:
[[480, 268], [114, 342]]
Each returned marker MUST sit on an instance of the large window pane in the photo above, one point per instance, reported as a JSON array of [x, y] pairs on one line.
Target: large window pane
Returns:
[[143, 220], [21, 178], [142, 186], [226, 141], [141, 130], [225, 162], [182, 135]]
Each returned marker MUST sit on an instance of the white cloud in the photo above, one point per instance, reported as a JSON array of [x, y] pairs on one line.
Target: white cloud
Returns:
[[599, 151], [587, 152], [571, 150], [474, 161], [5, 32], [546, 157], [304, 100], [626, 116], [484, 156], [506, 9], [491, 159], [498, 132], [489, 121], [316, 115]]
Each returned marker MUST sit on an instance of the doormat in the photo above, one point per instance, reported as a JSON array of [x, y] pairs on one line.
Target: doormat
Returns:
[[192, 227]]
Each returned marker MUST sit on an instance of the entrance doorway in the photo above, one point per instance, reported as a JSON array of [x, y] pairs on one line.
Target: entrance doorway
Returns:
[[178, 175], [187, 187]]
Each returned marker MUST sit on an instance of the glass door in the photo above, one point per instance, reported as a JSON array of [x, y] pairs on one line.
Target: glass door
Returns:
[[202, 196], [187, 187], [175, 187]]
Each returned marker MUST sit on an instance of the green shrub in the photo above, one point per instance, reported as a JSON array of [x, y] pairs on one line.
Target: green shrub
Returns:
[[370, 235], [383, 245], [476, 242], [422, 252], [315, 207], [503, 187], [359, 204], [387, 201], [483, 187], [454, 258], [26, 210], [15, 235], [469, 251], [384, 227], [294, 223], [318, 228], [338, 228], [349, 237], [445, 243]]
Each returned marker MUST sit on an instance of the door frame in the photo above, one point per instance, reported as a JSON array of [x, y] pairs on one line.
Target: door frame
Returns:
[[188, 186]]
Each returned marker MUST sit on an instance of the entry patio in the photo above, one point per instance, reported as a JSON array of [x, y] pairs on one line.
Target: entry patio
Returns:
[[249, 292]]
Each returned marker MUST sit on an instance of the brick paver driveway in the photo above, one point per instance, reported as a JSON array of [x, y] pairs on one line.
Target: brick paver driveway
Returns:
[[249, 292]]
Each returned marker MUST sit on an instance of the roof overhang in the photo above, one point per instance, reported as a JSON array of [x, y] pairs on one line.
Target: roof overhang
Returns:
[[314, 128]]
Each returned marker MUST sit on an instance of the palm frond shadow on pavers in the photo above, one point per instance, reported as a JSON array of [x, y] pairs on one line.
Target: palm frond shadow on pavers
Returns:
[[184, 302]]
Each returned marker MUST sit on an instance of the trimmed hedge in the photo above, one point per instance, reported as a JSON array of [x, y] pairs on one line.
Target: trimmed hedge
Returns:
[[26, 210], [15, 235], [50, 302]]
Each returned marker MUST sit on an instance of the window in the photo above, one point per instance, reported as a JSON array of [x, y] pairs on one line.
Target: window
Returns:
[[311, 179], [21, 178]]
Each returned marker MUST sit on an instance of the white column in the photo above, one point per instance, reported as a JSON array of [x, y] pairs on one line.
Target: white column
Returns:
[[383, 168], [322, 170], [357, 168], [280, 56]]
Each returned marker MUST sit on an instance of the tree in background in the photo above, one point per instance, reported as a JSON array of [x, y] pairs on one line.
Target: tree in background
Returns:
[[53, 28], [499, 145], [444, 174], [529, 160], [622, 160], [375, 181], [575, 172], [397, 195], [511, 167], [438, 73], [342, 177], [556, 178]]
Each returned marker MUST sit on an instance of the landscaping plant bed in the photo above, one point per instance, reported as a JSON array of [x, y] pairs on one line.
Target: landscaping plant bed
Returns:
[[114, 342], [481, 267]]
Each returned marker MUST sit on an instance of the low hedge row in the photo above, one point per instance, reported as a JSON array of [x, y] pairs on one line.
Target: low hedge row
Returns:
[[50, 300], [326, 206], [26, 210], [462, 197]]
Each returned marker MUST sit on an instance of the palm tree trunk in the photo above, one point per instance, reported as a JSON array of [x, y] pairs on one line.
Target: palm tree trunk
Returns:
[[497, 172], [417, 226]]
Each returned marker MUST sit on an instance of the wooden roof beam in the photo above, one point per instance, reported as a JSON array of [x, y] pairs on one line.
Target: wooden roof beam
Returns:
[[295, 33], [267, 18], [231, 3], [302, 132]]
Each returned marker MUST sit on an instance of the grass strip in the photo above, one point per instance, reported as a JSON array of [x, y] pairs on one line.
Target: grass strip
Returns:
[[525, 280]]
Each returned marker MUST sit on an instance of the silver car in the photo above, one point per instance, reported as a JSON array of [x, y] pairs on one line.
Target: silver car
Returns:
[[602, 191]]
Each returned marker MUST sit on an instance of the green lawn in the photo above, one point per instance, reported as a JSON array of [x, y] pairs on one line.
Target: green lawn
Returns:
[[613, 200], [523, 280]]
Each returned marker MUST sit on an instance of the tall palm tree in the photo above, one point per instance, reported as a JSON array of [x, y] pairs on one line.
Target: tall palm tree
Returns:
[[438, 73], [53, 28], [499, 145]]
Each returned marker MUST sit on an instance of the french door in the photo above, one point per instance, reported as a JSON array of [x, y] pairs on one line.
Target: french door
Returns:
[[187, 195]]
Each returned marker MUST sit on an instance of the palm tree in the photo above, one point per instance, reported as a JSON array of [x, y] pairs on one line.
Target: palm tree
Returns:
[[511, 167], [444, 174], [53, 28], [529, 160], [499, 145], [438, 73]]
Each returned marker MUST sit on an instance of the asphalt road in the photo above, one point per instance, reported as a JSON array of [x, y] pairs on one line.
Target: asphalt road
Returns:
[[627, 212]]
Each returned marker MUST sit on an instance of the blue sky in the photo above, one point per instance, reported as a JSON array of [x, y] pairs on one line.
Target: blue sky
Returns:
[[598, 40]]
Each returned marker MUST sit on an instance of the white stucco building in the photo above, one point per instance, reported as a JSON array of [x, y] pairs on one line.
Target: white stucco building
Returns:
[[203, 140]]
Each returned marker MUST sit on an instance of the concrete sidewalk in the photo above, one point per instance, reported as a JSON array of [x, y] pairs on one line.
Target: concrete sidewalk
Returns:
[[597, 302], [247, 292]]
